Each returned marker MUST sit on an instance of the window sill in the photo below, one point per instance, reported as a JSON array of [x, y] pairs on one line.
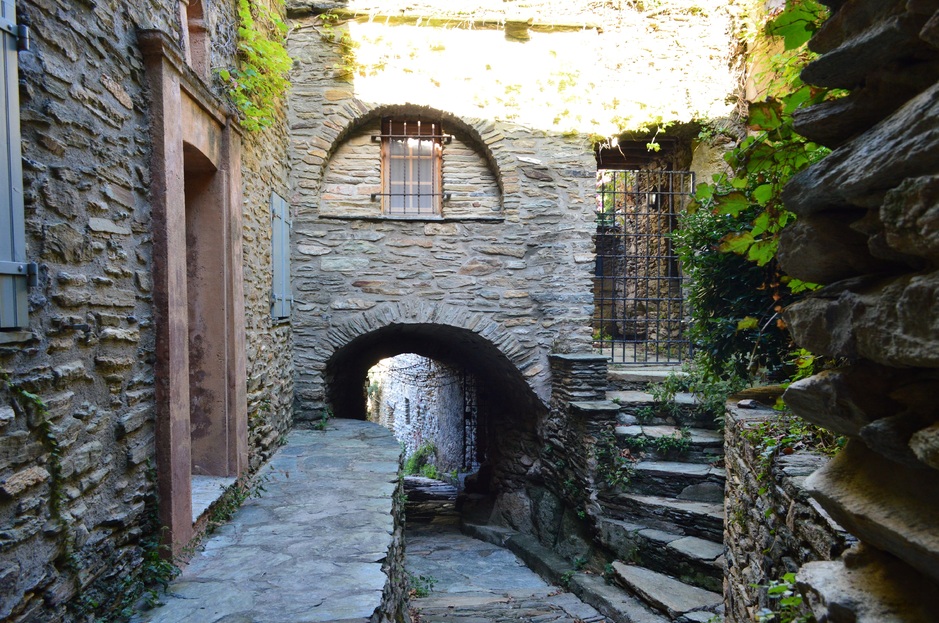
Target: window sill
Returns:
[[415, 219], [15, 337]]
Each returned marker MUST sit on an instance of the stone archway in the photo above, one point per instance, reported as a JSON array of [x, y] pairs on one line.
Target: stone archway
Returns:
[[510, 410], [436, 330], [481, 133]]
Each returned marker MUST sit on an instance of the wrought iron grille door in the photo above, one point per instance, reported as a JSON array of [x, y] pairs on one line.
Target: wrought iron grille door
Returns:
[[639, 311]]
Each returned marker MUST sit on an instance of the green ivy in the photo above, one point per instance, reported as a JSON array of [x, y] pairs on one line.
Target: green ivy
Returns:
[[258, 83]]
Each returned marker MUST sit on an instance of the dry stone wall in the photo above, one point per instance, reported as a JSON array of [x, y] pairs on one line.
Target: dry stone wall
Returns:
[[866, 227], [77, 503], [772, 526]]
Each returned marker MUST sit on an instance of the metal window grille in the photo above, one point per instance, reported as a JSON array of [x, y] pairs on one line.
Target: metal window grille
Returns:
[[412, 155], [471, 458], [639, 311]]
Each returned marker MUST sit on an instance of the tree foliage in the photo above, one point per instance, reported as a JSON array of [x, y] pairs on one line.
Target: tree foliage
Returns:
[[730, 237]]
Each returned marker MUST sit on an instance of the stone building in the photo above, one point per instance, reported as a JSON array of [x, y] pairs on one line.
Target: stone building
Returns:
[[440, 198], [141, 358]]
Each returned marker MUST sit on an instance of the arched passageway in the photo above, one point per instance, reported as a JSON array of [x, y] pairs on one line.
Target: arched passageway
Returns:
[[508, 411]]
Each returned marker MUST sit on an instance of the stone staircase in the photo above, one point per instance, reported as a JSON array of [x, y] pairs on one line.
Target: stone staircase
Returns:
[[665, 525]]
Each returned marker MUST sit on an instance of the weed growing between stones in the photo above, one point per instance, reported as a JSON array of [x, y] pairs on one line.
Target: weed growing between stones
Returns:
[[420, 461], [31, 406], [420, 585], [325, 416], [245, 488], [788, 607], [675, 444], [614, 465], [117, 598], [786, 434]]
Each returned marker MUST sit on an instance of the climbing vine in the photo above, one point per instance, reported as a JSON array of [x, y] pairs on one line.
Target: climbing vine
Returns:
[[768, 158], [729, 239], [258, 83]]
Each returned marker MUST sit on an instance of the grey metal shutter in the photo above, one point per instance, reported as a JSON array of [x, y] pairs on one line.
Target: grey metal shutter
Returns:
[[281, 296], [14, 271]]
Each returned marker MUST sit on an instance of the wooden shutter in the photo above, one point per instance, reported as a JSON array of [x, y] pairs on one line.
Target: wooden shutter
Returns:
[[13, 268], [281, 296]]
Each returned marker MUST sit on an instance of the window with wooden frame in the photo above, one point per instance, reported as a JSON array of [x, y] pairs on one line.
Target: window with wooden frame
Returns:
[[411, 167]]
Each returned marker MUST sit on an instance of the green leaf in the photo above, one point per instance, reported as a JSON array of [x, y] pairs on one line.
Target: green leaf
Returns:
[[763, 193], [703, 192], [736, 243], [795, 100], [747, 323], [794, 25], [762, 251], [765, 115], [733, 204]]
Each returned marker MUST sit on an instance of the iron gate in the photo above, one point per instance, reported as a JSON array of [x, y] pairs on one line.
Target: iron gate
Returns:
[[639, 312]]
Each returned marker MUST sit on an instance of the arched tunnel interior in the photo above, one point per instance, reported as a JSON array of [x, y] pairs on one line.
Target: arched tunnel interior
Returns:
[[505, 409]]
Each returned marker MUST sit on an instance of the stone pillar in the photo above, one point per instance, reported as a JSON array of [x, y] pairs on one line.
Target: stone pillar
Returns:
[[868, 228]]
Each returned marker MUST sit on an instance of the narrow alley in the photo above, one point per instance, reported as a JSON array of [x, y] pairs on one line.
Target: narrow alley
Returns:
[[316, 542]]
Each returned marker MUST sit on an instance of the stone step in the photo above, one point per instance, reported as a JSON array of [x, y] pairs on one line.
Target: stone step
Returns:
[[696, 561], [687, 517], [640, 407], [611, 600], [666, 594], [627, 377], [651, 442], [696, 481]]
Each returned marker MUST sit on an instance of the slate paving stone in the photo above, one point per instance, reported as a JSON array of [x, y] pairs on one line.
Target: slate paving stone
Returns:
[[477, 582], [310, 549]]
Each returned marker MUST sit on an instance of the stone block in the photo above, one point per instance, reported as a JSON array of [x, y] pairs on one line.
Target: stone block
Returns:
[[860, 172], [910, 215], [868, 586], [888, 505], [878, 318], [843, 400], [23, 480], [925, 445], [822, 248]]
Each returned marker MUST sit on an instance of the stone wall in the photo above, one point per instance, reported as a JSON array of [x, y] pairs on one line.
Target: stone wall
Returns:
[[77, 435], [867, 229], [421, 401], [268, 342], [772, 526], [525, 266], [76, 488]]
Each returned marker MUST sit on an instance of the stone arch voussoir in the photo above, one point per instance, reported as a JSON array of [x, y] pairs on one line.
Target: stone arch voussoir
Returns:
[[482, 134], [526, 361]]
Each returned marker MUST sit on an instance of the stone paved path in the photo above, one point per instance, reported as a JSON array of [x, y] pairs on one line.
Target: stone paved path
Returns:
[[475, 582], [309, 549]]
